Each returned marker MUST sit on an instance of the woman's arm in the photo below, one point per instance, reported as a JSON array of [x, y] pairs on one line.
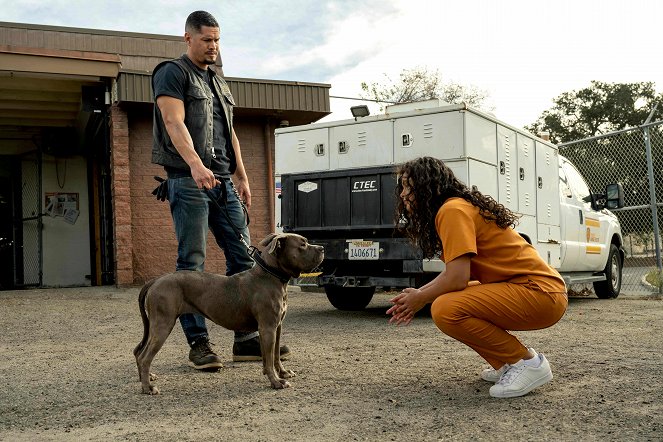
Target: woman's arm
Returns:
[[455, 277]]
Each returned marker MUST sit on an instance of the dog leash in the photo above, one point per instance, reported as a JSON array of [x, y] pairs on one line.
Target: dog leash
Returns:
[[224, 198], [161, 192]]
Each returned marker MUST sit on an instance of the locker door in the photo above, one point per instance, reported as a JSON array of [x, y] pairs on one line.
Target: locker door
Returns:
[[484, 176], [480, 138], [361, 145], [302, 151], [507, 162], [526, 173], [547, 184], [436, 135]]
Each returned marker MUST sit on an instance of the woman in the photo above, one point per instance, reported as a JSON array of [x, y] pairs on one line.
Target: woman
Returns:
[[474, 236]]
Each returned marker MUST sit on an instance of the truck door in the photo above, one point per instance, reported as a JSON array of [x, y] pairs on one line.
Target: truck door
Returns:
[[572, 226], [591, 226]]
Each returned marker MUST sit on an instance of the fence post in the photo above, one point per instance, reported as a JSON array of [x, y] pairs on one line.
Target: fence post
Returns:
[[652, 195]]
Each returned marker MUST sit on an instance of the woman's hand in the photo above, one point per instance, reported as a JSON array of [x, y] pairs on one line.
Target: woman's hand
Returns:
[[406, 304]]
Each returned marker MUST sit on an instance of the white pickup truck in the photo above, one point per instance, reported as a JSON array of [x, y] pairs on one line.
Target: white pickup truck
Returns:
[[337, 185]]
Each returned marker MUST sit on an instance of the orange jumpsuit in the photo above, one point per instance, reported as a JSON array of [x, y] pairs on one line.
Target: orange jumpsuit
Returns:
[[518, 290]]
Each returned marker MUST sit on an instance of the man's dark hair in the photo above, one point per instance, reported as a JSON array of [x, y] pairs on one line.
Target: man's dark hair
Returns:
[[198, 19]]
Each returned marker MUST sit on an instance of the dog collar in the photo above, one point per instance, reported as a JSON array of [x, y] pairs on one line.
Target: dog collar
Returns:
[[282, 276]]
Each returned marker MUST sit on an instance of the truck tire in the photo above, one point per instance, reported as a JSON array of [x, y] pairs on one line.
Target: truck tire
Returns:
[[349, 298], [610, 288]]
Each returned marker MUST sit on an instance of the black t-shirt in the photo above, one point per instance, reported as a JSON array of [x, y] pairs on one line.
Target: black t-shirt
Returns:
[[171, 81]]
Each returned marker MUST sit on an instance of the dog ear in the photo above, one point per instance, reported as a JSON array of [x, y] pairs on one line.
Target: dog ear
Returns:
[[277, 244], [273, 242], [268, 239]]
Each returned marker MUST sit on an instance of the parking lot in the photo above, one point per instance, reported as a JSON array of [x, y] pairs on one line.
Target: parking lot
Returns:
[[67, 373]]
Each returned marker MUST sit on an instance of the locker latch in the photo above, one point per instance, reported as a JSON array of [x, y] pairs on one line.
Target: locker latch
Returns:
[[343, 147], [502, 168], [407, 140], [319, 149], [522, 174], [540, 183]]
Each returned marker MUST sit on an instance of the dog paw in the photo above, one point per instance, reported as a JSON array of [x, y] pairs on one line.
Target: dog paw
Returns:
[[279, 384], [151, 390], [286, 374]]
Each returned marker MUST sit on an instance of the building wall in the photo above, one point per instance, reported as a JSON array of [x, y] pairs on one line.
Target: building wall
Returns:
[[66, 247], [154, 247]]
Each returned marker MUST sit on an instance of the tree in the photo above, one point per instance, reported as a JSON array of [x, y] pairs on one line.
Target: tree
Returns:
[[422, 84], [598, 109]]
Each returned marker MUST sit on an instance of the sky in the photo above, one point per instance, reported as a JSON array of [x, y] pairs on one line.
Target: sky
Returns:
[[522, 53]]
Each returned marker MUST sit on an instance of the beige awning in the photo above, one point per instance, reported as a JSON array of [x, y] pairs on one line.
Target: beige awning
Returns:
[[58, 61]]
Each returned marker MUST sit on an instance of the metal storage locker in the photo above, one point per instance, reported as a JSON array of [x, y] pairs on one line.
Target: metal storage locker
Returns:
[[526, 175], [547, 188], [484, 177], [480, 138], [507, 165], [302, 150], [361, 144], [438, 135]]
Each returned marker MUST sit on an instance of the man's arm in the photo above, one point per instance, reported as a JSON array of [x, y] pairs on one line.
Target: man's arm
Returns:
[[172, 112], [240, 173]]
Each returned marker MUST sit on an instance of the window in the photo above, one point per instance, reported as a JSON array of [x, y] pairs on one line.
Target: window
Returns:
[[575, 180]]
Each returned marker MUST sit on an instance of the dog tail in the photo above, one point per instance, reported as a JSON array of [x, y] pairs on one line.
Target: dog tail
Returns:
[[143, 315]]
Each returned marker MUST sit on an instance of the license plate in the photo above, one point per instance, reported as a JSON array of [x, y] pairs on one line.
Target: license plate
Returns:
[[363, 250]]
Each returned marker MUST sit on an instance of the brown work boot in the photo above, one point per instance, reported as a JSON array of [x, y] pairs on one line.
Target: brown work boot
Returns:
[[250, 351], [202, 356]]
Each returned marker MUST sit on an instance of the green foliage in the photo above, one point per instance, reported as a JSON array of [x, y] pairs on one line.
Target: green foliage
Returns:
[[598, 109], [422, 84], [655, 278]]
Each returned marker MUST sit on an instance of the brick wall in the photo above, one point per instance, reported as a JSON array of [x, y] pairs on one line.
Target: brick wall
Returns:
[[154, 248], [120, 182]]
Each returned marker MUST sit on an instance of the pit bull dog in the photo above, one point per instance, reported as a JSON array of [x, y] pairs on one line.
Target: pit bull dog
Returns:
[[251, 300]]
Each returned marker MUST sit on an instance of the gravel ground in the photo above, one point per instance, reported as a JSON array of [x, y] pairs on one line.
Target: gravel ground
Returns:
[[67, 373]]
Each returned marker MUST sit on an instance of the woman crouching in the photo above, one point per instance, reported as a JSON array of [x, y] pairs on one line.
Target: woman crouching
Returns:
[[474, 236]]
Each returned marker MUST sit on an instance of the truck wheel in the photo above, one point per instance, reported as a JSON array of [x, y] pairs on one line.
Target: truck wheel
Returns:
[[349, 298], [613, 273]]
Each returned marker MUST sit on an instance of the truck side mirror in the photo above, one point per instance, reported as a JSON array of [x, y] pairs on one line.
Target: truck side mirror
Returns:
[[614, 196]]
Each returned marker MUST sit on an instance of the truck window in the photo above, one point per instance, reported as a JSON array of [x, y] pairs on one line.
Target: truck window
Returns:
[[575, 180], [564, 188]]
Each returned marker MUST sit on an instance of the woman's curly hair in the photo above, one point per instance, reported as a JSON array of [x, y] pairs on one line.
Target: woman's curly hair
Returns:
[[432, 183]]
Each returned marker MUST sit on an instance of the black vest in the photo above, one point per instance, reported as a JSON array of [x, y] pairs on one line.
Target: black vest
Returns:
[[198, 118]]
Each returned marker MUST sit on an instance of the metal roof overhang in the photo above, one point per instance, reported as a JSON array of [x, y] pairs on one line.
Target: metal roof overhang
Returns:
[[58, 61], [41, 88], [297, 102]]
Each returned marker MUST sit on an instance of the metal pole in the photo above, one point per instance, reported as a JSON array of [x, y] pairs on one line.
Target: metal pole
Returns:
[[652, 195]]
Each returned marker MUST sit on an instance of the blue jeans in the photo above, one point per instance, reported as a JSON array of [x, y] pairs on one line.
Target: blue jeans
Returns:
[[193, 214]]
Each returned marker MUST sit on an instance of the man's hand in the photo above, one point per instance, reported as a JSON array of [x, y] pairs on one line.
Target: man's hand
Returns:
[[203, 177], [244, 192]]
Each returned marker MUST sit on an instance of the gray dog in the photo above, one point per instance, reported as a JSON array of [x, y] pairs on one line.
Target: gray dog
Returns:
[[251, 300]]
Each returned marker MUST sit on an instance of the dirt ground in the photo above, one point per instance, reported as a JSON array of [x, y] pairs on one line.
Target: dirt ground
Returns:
[[67, 373]]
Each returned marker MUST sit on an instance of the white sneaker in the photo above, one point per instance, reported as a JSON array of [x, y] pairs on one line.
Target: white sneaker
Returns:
[[519, 379], [492, 375]]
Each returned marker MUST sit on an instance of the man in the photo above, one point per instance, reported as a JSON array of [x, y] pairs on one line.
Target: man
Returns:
[[195, 141]]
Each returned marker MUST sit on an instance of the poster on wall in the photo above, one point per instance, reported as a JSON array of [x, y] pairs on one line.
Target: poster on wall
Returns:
[[62, 204]]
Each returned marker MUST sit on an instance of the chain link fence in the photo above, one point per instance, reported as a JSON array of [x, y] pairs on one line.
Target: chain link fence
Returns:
[[634, 158], [28, 272]]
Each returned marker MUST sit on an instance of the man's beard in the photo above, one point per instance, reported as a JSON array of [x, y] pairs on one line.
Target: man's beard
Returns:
[[208, 61]]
